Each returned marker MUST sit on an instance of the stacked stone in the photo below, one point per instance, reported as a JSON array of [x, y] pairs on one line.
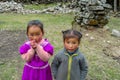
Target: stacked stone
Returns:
[[10, 7], [92, 13]]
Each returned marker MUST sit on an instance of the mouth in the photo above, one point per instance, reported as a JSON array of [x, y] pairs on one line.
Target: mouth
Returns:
[[70, 49]]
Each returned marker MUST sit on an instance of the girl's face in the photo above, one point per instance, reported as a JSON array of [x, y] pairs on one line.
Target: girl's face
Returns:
[[35, 33], [71, 44]]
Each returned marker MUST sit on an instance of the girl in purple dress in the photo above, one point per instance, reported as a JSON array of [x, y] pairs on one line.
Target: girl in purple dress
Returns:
[[36, 52]]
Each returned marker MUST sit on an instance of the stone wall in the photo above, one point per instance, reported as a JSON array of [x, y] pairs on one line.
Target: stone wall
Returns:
[[92, 13], [10, 7]]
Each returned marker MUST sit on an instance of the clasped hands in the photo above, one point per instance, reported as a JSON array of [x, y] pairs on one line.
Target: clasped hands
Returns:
[[34, 44]]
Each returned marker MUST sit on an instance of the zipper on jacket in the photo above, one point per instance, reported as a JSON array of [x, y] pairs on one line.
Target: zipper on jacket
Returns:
[[70, 64]]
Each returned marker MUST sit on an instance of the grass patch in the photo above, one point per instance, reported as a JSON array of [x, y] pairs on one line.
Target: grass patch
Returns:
[[19, 21], [11, 69], [114, 23], [100, 67], [39, 6]]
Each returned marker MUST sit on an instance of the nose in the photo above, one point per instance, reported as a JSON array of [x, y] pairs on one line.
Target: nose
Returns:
[[35, 37], [70, 45]]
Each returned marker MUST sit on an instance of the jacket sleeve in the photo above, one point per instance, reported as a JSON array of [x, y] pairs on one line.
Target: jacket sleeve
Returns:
[[54, 66], [83, 68]]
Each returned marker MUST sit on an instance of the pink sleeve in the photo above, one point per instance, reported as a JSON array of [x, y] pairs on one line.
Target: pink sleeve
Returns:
[[45, 50]]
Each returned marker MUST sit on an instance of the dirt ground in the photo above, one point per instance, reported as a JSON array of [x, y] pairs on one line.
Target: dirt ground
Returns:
[[9, 43], [11, 40], [101, 39]]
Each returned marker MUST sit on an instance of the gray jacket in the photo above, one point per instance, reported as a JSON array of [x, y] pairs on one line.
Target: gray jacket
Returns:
[[69, 67]]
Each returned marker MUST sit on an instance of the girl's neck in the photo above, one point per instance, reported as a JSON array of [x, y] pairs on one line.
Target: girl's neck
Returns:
[[71, 52]]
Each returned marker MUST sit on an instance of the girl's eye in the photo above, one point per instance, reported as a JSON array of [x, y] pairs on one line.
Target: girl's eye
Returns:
[[74, 42], [68, 42], [31, 35], [38, 34]]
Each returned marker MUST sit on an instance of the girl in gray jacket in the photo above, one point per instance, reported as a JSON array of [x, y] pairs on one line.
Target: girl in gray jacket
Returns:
[[69, 63]]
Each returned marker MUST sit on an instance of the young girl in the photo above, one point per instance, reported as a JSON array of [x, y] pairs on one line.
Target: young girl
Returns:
[[36, 52], [70, 63]]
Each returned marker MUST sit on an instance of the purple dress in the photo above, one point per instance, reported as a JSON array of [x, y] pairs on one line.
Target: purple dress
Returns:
[[37, 69]]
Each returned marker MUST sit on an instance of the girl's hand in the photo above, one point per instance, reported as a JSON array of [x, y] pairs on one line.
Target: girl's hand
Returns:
[[41, 42], [33, 44]]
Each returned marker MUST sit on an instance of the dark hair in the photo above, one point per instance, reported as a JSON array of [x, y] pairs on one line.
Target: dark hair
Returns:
[[72, 34], [36, 23]]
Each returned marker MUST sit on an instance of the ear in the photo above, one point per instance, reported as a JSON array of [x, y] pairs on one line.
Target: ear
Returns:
[[43, 33]]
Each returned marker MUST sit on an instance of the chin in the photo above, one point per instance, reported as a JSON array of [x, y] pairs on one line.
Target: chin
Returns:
[[71, 50]]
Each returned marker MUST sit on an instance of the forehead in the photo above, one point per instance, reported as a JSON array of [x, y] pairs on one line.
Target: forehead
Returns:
[[71, 39], [34, 29]]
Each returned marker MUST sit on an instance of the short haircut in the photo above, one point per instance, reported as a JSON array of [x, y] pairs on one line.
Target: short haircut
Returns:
[[71, 34], [36, 23]]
